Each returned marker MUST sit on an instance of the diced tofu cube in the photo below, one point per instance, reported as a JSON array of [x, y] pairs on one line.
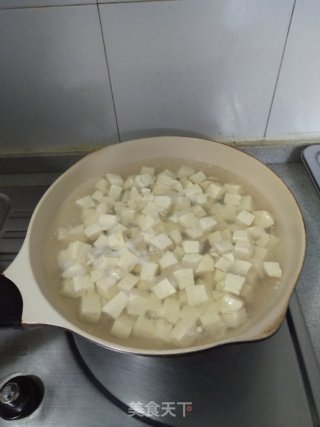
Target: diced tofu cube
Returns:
[[199, 211], [102, 185], [184, 278], [115, 191], [148, 271], [245, 218], [233, 283], [175, 235], [146, 222], [73, 271], [247, 203], [232, 199], [138, 302], [150, 170], [97, 196], [213, 323], [260, 254], [196, 295], [123, 326], [182, 329], [188, 220], [201, 199], [215, 237], [234, 319], [206, 265], [71, 288], [241, 235], [90, 307], [107, 221], [106, 287], [198, 177], [272, 269], [127, 260], [192, 191], [168, 260], [229, 303], [215, 191], [93, 231], [207, 223], [223, 246], [263, 219], [163, 289], [194, 233], [162, 329], [185, 171], [163, 201], [102, 241], [224, 263], [162, 242], [233, 188], [114, 179], [144, 180], [143, 328], [116, 305], [191, 246], [128, 282], [241, 267], [191, 260], [154, 305], [86, 202], [116, 240], [243, 249], [170, 310]]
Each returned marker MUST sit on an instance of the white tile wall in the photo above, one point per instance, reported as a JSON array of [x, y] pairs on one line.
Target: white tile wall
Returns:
[[205, 67], [55, 91], [296, 107]]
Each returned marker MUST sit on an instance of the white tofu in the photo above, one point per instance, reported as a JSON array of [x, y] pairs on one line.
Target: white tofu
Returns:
[[102, 185], [163, 201], [162, 330], [97, 196], [233, 283], [144, 180], [90, 307], [162, 242], [115, 191], [215, 191], [127, 260], [184, 278], [245, 218], [146, 222], [224, 263], [247, 203], [106, 287], [241, 267], [128, 282], [116, 240], [196, 295], [185, 171], [207, 223], [116, 305], [242, 235], [148, 271], [191, 246], [182, 329], [168, 260], [178, 252], [229, 303], [199, 211], [192, 191], [272, 269], [107, 221], [206, 265], [154, 305], [215, 237], [79, 251], [71, 288], [170, 310], [233, 188], [143, 328], [232, 199], [194, 233], [191, 260], [188, 220], [223, 246], [114, 179], [101, 242], [150, 170], [198, 177], [93, 231], [243, 249], [213, 323], [73, 271], [123, 326], [138, 302], [263, 219], [235, 319], [85, 202], [163, 289], [201, 199]]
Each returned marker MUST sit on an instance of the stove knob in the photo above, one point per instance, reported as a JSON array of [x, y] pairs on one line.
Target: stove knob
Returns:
[[20, 396]]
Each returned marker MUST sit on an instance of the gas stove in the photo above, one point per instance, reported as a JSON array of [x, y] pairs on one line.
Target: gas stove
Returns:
[[273, 382]]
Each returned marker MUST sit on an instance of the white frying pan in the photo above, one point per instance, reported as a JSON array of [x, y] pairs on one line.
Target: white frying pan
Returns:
[[34, 299]]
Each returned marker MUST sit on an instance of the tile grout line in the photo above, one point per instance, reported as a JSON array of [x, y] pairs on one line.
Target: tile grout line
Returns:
[[279, 71], [109, 74]]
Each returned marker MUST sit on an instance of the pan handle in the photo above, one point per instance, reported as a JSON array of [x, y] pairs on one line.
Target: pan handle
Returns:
[[11, 303]]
